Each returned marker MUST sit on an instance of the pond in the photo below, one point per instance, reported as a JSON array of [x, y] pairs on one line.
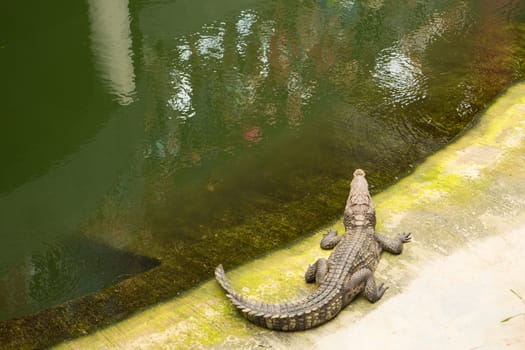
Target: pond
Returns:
[[146, 141]]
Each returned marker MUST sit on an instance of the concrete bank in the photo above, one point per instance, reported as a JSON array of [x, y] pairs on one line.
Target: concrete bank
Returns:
[[465, 206], [457, 302]]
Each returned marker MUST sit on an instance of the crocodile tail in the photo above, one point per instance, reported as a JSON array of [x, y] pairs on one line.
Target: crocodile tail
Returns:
[[236, 298], [220, 275], [279, 316]]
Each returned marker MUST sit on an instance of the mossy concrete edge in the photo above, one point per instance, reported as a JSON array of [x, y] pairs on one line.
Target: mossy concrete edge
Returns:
[[470, 190]]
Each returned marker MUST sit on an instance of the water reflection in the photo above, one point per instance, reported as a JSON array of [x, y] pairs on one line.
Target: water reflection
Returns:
[[62, 272], [266, 32], [398, 68], [266, 94], [399, 76], [244, 29], [181, 84], [258, 101], [54, 274], [112, 47], [210, 42], [306, 69]]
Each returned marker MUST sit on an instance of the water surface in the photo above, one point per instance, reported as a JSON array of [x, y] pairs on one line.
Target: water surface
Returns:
[[193, 133]]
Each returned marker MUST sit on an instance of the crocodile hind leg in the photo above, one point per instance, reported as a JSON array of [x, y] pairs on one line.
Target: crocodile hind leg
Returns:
[[316, 272], [330, 239], [394, 246], [363, 280]]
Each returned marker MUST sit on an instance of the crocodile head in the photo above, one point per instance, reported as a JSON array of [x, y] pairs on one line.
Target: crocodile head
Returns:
[[359, 210]]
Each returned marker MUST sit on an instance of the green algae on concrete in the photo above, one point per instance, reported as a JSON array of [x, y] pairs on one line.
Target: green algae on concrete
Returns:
[[470, 190]]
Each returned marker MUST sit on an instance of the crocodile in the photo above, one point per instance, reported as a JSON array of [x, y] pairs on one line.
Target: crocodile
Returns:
[[347, 272]]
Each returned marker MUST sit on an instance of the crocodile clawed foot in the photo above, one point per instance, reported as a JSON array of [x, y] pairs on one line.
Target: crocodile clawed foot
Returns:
[[330, 233], [405, 237], [381, 290], [330, 239], [309, 276]]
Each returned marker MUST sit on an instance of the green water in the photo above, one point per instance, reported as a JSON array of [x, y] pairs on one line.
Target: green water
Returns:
[[193, 133]]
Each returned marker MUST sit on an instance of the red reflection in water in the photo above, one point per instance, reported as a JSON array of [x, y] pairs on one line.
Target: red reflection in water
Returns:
[[253, 135]]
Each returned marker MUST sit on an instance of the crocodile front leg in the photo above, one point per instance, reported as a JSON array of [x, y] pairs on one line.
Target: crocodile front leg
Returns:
[[330, 239], [394, 246], [317, 271]]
